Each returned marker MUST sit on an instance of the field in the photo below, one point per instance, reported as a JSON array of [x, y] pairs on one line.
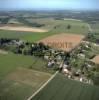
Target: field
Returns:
[[54, 27], [21, 76], [17, 80], [21, 28], [26, 36], [63, 41], [61, 88], [58, 26], [95, 27]]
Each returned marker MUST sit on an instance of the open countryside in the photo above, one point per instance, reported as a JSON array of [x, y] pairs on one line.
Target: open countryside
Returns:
[[34, 46], [61, 88]]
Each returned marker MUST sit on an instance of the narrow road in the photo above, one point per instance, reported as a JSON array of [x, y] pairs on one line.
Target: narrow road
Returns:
[[42, 86]]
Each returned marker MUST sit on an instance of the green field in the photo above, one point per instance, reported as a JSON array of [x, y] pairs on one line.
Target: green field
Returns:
[[27, 36], [95, 27], [52, 25], [10, 62], [61, 88], [20, 86], [58, 26]]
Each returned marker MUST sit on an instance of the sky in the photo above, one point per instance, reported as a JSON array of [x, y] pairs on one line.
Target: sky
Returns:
[[49, 4]]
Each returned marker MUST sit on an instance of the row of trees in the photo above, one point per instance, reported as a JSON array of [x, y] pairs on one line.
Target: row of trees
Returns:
[[4, 20], [68, 27], [32, 24]]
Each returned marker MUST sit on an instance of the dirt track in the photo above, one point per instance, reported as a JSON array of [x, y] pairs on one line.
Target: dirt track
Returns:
[[21, 28], [63, 41]]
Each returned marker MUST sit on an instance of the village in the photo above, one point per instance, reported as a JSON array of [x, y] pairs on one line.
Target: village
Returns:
[[76, 64]]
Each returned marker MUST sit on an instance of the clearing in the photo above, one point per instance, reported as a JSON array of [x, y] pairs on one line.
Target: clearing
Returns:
[[64, 42]]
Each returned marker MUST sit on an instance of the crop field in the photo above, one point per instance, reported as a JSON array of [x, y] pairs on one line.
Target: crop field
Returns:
[[63, 41], [21, 28], [95, 27], [61, 88], [57, 26], [54, 27], [21, 83], [26, 36], [18, 80]]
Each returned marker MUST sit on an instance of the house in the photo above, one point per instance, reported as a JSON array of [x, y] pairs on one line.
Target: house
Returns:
[[46, 57], [51, 63], [81, 55], [65, 71], [65, 66]]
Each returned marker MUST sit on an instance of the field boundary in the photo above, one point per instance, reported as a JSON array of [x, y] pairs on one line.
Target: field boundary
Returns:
[[43, 86]]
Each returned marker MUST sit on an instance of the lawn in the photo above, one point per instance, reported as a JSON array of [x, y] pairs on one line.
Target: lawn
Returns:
[[61, 88]]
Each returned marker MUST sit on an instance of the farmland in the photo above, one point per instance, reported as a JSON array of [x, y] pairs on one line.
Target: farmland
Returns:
[[63, 41], [21, 75], [26, 36], [53, 26], [57, 26], [95, 27], [16, 77], [20, 28], [61, 88]]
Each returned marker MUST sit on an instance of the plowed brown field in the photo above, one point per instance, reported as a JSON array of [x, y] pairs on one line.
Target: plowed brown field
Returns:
[[63, 41]]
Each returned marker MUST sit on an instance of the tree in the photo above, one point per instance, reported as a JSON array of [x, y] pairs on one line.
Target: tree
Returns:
[[68, 26]]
